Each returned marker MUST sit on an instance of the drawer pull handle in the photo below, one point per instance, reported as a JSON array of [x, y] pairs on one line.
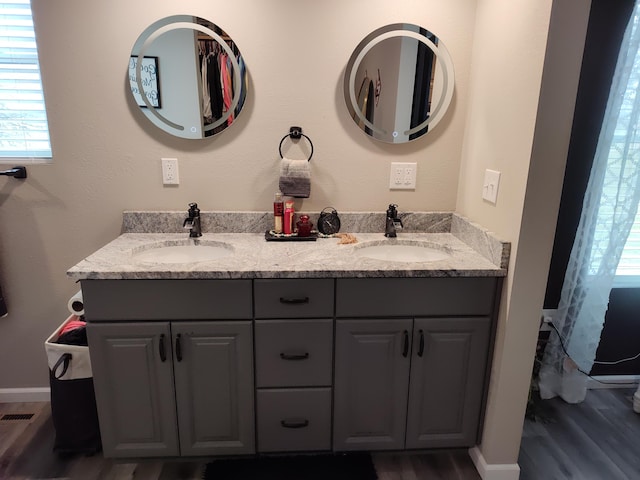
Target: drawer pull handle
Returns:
[[405, 348], [294, 356], [421, 348], [163, 352], [294, 300], [295, 423], [179, 347]]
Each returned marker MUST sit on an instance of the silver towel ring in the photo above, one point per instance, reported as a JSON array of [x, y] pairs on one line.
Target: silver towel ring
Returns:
[[295, 133]]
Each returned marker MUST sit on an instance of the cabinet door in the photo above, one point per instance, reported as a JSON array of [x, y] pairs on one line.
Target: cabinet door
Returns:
[[213, 363], [133, 381], [371, 383], [447, 381]]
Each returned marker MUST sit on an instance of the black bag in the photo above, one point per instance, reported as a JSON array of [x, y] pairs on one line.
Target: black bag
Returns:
[[73, 402]]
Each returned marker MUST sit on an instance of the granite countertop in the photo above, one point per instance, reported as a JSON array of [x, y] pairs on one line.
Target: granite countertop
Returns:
[[472, 252]]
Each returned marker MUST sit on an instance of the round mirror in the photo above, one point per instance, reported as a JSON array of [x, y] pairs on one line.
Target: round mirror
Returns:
[[187, 76], [398, 83]]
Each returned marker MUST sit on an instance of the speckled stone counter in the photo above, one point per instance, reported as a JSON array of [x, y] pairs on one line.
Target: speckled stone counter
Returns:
[[472, 251]]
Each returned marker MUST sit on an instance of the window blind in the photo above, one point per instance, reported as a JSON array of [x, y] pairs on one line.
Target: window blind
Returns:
[[24, 131]]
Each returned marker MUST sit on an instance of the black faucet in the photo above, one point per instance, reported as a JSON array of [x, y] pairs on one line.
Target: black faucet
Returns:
[[393, 221], [192, 222]]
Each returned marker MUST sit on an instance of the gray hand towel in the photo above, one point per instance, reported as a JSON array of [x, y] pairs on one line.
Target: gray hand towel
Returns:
[[295, 178]]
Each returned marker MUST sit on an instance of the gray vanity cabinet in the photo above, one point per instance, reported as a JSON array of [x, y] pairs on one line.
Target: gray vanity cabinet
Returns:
[[371, 379], [134, 388], [172, 376], [446, 384], [417, 380], [214, 387], [210, 411], [294, 360]]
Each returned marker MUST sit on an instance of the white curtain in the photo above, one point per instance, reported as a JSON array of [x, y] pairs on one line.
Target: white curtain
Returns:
[[608, 212]]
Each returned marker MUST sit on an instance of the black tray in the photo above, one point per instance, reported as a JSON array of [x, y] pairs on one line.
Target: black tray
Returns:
[[269, 236]]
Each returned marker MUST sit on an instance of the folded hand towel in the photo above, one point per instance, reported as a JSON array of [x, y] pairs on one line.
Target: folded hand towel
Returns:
[[295, 178]]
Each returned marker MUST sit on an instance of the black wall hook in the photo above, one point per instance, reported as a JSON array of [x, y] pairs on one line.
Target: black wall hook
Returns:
[[295, 133], [15, 172]]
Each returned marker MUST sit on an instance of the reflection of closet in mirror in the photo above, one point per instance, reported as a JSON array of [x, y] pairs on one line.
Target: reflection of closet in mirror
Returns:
[[185, 48], [218, 84], [414, 83]]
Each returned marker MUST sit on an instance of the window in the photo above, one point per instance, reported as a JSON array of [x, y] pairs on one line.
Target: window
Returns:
[[24, 131], [623, 158]]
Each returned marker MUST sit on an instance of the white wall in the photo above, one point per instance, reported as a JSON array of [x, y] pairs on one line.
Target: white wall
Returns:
[[519, 123]]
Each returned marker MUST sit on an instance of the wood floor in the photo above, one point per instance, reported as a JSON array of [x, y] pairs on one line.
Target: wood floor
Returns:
[[596, 440], [26, 454]]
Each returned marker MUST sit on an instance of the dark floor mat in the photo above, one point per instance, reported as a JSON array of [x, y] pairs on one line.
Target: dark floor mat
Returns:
[[301, 467]]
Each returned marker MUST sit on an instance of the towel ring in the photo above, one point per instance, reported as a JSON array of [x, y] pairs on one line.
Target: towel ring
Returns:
[[295, 133]]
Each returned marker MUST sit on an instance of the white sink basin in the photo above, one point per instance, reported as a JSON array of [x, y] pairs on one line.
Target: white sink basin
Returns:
[[186, 252], [399, 251]]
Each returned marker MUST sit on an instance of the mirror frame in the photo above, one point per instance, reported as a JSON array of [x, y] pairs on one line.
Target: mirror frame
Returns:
[[444, 62], [176, 22]]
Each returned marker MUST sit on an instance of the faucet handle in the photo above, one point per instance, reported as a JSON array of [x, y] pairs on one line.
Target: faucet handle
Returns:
[[193, 210], [392, 211]]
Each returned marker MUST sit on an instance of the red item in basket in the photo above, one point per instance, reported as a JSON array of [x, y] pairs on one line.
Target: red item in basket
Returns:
[[70, 325]]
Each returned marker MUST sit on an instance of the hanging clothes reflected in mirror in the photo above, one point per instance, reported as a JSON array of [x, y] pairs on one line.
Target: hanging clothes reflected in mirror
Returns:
[[201, 71]]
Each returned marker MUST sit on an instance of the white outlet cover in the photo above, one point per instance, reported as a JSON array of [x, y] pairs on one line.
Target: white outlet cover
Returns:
[[403, 176], [490, 186], [170, 174]]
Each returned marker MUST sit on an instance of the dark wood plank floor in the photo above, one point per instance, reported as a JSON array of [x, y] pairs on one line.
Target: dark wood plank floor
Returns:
[[598, 439], [26, 454]]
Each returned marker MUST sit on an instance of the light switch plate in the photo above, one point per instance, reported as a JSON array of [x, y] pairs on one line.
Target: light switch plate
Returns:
[[170, 174], [490, 186], [403, 176]]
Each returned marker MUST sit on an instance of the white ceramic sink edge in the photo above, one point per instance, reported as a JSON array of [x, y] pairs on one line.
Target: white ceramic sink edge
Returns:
[[406, 251], [181, 252]]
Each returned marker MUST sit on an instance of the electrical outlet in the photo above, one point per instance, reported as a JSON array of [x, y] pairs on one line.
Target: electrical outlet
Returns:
[[403, 176], [170, 174]]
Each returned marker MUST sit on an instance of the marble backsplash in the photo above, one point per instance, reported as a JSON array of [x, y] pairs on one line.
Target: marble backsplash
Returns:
[[481, 240]]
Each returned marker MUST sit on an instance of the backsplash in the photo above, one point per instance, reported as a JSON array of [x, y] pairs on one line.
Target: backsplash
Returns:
[[481, 240]]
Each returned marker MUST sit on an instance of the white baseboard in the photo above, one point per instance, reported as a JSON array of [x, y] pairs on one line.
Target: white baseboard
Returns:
[[14, 395], [502, 471], [613, 381]]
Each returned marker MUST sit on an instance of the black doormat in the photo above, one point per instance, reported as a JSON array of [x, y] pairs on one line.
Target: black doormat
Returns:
[[357, 466]]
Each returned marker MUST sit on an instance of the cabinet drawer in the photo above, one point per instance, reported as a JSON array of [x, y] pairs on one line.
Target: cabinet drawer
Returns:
[[294, 419], [293, 352], [112, 300], [380, 297], [293, 298]]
